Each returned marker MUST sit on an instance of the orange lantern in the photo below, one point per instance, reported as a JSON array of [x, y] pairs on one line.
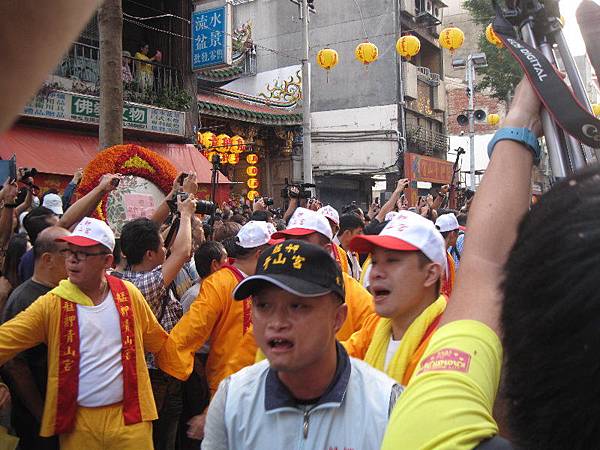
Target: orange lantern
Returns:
[[237, 144], [253, 183], [233, 159], [251, 171], [252, 158], [252, 195], [223, 143], [209, 140]]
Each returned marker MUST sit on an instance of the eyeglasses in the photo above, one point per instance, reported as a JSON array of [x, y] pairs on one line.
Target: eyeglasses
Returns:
[[80, 255]]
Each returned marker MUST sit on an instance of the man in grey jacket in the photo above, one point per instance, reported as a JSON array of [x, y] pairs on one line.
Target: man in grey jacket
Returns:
[[308, 392]]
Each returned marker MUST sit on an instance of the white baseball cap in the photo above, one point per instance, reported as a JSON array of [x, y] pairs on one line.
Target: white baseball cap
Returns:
[[254, 234], [91, 232], [447, 222], [304, 222], [54, 203], [407, 231], [330, 213]]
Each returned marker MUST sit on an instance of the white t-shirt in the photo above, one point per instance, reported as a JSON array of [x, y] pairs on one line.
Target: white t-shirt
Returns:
[[100, 366], [391, 350]]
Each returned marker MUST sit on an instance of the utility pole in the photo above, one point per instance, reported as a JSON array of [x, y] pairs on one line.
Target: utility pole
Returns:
[[306, 122], [401, 121], [470, 82]]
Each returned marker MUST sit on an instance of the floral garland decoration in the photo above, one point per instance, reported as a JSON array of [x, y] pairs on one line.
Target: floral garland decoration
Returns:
[[127, 159]]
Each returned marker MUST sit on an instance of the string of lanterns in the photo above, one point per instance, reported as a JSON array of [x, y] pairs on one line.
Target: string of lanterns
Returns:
[[408, 46], [229, 149]]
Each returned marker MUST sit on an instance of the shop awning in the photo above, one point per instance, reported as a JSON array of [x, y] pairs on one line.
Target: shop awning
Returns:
[[62, 152]]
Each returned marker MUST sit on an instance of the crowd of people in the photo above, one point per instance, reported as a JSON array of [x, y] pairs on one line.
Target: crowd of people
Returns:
[[398, 328]]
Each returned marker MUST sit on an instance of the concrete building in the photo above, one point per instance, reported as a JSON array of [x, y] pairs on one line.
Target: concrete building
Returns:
[[354, 113]]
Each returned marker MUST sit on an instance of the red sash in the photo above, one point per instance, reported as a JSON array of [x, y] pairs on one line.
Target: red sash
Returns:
[[336, 254], [68, 360], [239, 276]]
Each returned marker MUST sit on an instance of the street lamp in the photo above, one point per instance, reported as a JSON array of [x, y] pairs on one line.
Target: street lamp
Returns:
[[471, 63]]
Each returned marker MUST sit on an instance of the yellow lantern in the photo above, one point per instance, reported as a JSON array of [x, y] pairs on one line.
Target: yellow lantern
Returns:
[[252, 195], [596, 109], [224, 158], [223, 143], [492, 37], [209, 140], [327, 58], [408, 46], [253, 183], [210, 155], [493, 119], [252, 158], [237, 144], [452, 38], [366, 53], [233, 159], [251, 171]]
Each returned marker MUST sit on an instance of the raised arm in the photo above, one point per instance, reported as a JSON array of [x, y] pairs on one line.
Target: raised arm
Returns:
[[501, 201], [389, 205], [86, 204]]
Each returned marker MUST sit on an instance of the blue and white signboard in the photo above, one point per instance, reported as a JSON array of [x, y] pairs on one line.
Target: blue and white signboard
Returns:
[[211, 38]]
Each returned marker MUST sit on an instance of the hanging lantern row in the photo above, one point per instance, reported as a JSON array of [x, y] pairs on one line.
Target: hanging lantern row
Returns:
[[221, 143], [451, 38], [252, 172]]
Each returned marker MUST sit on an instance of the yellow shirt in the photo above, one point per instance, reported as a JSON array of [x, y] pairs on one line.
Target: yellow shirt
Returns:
[[214, 315], [40, 323], [448, 402], [146, 68]]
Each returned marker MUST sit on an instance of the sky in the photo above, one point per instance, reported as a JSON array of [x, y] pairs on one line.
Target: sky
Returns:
[[568, 9]]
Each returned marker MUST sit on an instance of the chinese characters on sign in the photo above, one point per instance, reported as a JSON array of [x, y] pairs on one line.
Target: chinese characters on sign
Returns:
[[86, 108], [211, 38], [424, 168], [138, 205]]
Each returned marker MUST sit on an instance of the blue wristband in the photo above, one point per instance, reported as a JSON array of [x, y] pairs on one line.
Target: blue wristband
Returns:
[[522, 135]]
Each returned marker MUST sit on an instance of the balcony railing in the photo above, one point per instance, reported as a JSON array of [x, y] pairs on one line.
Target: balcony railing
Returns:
[[429, 77], [427, 142], [143, 80]]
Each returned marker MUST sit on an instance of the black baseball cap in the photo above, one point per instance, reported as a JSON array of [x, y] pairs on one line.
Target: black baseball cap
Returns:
[[297, 267]]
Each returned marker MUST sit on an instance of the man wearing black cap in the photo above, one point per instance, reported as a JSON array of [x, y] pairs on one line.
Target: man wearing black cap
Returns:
[[308, 390]]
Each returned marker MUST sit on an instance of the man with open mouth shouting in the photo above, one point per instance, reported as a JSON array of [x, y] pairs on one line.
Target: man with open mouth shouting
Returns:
[[308, 389], [408, 262]]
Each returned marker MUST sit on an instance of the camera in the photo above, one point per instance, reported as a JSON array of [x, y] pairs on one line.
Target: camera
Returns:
[[27, 172], [202, 206], [303, 190], [268, 201]]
